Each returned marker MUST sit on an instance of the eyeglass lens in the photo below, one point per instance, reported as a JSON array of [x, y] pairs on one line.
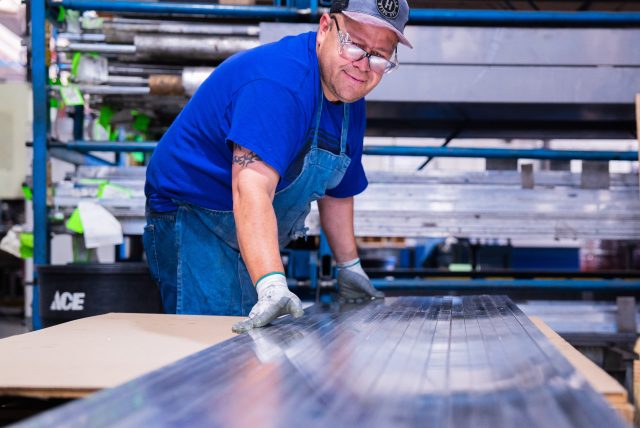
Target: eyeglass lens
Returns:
[[355, 53]]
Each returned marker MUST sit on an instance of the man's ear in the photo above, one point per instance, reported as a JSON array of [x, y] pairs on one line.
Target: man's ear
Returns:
[[324, 27]]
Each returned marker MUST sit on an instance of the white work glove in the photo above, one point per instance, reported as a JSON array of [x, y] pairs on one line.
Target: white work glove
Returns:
[[354, 284], [274, 300]]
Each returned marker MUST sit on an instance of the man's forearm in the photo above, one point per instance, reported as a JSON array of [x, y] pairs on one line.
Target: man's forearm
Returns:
[[336, 217], [257, 231]]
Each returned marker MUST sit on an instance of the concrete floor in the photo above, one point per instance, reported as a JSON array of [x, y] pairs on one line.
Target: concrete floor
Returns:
[[12, 325]]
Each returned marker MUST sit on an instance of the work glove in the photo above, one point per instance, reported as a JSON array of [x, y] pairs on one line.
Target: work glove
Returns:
[[354, 284], [274, 300]]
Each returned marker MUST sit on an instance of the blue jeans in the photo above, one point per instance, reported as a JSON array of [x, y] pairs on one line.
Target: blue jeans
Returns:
[[196, 271]]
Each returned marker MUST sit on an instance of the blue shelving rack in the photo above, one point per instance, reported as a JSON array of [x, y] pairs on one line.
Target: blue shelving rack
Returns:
[[309, 11]]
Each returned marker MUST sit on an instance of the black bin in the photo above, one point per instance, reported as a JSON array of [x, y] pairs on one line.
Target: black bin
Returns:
[[73, 291]]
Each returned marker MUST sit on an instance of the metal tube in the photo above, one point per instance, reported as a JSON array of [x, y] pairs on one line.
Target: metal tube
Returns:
[[181, 8], [192, 78], [98, 146], [488, 17], [103, 48], [124, 30], [193, 47], [114, 90], [142, 70], [460, 285], [127, 80], [78, 158], [455, 152], [84, 37], [39, 165]]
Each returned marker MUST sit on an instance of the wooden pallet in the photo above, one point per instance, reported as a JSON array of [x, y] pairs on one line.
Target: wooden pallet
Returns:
[[601, 381]]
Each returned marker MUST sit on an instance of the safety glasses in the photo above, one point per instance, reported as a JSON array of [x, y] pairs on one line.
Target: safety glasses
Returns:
[[351, 52]]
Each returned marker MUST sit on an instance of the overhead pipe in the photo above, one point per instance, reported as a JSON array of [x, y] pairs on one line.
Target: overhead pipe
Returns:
[[107, 146], [406, 151], [504, 284], [503, 17], [183, 8], [456, 152], [422, 16], [76, 158]]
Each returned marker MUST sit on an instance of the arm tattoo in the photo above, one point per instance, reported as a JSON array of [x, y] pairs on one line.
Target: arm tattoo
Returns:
[[245, 159]]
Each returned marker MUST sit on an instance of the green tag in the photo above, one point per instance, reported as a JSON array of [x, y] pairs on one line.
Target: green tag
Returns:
[[71, 95], [26, 239], [141, 122], [106, 113], [75, 63], [26, 245], [109, 190], [26, 190], [54, 103], [75, 223], [460, 267], [92, 181], [61, 14], [138, 157], [25, 252]]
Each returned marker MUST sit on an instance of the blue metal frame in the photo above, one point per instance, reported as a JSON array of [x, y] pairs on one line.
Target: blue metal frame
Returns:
[[461, 284], [500, 153], [40, 121], [182, 8], [463, 152], [506, 17], [417, 16], [109, 146]]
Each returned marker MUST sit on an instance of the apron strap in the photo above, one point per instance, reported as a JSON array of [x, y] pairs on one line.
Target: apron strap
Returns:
[[345, 129]]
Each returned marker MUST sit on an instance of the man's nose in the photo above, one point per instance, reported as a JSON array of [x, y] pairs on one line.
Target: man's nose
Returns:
[[362, 64]]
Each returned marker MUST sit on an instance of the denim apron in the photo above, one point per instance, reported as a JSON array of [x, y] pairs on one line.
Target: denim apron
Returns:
[[193, 252]]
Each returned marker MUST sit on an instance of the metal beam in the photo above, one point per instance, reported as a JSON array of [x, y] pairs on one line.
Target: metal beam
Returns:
[[493, 17], [456, 152], [182, 8], [102, 146], [39, 165], [506, 284], [105, 146]]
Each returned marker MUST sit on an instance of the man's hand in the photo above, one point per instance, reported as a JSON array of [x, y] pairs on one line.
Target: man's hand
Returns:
[[354, 284], [274, 300]]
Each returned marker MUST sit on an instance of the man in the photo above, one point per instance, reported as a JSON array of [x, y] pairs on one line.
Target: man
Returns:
[[271, 130]]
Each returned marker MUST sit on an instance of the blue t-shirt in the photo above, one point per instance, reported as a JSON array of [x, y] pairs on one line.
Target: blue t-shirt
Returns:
[[264, 100]]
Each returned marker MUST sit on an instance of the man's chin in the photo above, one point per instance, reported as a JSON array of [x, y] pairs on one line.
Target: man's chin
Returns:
[[349, 96]]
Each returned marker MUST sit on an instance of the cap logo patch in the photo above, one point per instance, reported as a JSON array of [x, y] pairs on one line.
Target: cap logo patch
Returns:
[[388, 8]]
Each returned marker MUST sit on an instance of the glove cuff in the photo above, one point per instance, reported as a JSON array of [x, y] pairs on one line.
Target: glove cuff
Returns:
[[271, 279], [352, 266], [348, 263]]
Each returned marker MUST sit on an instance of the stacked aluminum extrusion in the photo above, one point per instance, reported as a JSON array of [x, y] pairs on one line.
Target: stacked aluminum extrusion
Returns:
[[406, 362]]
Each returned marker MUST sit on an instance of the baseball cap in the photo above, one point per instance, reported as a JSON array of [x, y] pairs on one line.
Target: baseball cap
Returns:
[[391, 14]]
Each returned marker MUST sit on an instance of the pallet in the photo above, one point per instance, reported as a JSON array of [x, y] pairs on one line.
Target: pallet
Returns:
[[601, 381]]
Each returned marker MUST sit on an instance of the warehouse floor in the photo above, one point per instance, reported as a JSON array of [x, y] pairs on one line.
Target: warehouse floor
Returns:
[[11, 325]]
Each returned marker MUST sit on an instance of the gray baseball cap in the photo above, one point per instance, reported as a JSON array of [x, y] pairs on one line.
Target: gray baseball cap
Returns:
[[391, 14]]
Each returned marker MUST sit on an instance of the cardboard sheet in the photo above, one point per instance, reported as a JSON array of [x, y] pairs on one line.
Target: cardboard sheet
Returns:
[[82, 356]]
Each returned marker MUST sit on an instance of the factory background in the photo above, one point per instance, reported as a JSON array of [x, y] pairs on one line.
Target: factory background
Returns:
[[502, 159]]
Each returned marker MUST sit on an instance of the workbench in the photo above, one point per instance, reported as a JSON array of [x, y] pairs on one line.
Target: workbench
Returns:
[[450, 360]]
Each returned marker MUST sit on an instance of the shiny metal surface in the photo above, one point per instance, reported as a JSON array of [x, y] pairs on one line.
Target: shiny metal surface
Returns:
[[411, 361]]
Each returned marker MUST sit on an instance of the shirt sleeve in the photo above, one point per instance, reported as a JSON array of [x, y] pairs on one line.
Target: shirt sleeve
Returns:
[[268, 119], [355, 180]]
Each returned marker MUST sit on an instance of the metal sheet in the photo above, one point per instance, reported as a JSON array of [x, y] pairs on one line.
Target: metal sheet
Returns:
[[410, 361]]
